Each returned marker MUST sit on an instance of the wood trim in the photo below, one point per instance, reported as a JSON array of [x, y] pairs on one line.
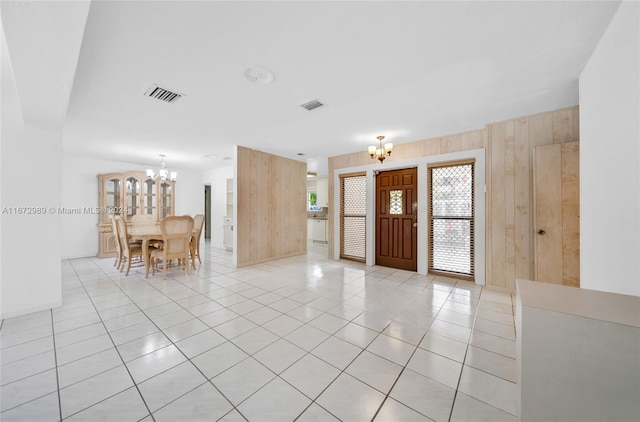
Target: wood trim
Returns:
[[263, 260], [355, 174], [451, 163], [451, 275]]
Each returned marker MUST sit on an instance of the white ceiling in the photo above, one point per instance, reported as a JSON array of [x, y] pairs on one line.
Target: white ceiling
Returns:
[[406, 70]]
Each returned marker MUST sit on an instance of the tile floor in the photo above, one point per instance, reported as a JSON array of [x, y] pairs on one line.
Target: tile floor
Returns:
[[305, 339]]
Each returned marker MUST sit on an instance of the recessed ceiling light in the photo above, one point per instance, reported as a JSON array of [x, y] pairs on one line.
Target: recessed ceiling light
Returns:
[[259, 75], [226, 158], [301, 154], [209, 156]]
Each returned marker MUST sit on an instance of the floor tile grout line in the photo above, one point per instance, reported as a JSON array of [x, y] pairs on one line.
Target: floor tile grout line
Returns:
[[342, 371], [24, 342], [464, 359], [399, 375], [405, 367], [117, 351], [55, 361], [176, 299], [278, 375], [31, 375], [462, 369], [41, 372], [489, 350], [180, 350]]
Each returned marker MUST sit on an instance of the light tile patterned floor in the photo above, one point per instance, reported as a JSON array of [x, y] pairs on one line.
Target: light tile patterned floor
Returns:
[[305, 338]]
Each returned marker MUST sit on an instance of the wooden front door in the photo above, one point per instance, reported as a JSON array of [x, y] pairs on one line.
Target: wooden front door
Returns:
[[396, 219], [557, 214]]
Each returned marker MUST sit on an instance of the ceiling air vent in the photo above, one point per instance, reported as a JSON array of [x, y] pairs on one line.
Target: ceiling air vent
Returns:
[[310, 105], [163, 94]]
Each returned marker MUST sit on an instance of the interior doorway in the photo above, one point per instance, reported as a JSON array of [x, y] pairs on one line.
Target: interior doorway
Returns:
[[207, 211], [556, 203], [397, 219]]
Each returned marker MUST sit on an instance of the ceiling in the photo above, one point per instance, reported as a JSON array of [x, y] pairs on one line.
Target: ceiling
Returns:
[[406, 70]]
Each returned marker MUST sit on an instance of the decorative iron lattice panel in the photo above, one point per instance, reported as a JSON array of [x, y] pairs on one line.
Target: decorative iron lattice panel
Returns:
[[451, 240], [353, 215], [395, 204], [353, 237], [354, 195], [451, 191], [451, 211]]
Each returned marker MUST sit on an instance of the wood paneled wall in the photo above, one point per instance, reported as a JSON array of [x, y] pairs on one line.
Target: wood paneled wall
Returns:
[[509, 166], [271, 207]]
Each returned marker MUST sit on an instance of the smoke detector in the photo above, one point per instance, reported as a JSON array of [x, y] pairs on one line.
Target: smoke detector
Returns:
[[259, 75]]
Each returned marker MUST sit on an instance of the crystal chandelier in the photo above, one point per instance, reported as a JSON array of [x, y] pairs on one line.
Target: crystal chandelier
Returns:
[[163, 173], [380, 150]]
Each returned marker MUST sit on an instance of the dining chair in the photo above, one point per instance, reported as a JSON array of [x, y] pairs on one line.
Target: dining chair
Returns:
[[138, 220], [198, 223], [143, 219], [176, 236], [131, 252], [118, 241]]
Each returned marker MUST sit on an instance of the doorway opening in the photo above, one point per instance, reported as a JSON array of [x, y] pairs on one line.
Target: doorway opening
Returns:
[[207, 211], [451, 218]]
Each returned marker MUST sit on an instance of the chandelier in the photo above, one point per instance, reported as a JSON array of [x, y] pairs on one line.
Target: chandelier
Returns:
[[380, 150], [163, 173]]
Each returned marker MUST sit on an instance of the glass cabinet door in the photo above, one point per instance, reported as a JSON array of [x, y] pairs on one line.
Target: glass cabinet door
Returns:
[[149, 197], [132, 196], [165, 200], [112, 194]]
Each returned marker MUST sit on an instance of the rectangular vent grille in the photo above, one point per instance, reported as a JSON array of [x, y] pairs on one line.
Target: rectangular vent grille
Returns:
[[163, 94], [310, 105]]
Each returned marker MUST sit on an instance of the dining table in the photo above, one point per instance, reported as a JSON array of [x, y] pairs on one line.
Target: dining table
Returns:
[[147, 233]]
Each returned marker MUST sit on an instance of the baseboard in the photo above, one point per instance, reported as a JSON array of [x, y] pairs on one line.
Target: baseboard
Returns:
[[31, 310], [270, 259]]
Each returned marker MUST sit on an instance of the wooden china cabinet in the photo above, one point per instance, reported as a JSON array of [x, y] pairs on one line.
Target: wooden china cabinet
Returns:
[[128, 194]]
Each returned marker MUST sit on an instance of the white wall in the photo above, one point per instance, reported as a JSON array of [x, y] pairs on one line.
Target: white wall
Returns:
[[30, 266], [610, 158], [80, 189], [218, 181]]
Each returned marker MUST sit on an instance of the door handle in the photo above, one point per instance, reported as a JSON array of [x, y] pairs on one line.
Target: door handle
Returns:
[[541, 232], [415, 224]]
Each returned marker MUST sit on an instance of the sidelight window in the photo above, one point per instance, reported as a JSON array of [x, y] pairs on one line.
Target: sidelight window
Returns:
[[353, 211], [451, 218]]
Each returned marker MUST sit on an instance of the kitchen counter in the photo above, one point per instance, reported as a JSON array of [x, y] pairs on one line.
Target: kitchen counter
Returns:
[[317, 228], [577, 353]]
